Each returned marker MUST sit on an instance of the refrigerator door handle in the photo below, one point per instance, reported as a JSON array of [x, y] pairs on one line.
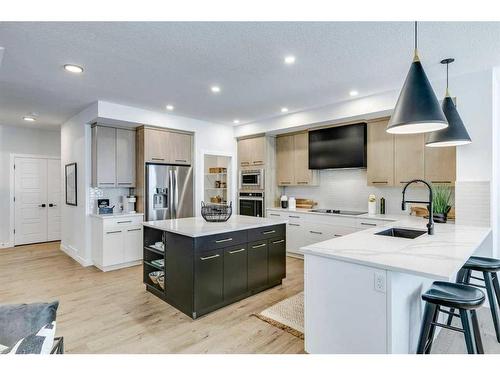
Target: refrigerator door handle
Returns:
[[170, 195], [176, 193]]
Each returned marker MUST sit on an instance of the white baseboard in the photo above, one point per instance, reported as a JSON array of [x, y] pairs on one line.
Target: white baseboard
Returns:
[[118, 266], [73, 253], [6, 245]]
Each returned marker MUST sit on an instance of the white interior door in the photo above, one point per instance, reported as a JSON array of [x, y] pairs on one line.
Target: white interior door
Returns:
[[53, 199], [30, 200]]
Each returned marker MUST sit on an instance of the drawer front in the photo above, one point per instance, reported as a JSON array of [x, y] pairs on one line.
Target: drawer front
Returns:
[[122, 221], [274, 214], [370, 223], [345, 221], [265, 233], [218, 241]]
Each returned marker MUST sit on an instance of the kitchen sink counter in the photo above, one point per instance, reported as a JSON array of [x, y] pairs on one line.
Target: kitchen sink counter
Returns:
[[363, 291], [438, 256]]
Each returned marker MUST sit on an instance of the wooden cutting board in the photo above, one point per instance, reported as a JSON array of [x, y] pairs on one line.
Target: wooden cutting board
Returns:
[[305, 203]]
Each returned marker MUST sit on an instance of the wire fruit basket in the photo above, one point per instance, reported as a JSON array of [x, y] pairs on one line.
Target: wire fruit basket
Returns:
[[216, 212]]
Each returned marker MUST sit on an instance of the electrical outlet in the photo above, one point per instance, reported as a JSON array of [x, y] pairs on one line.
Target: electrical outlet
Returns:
[[379, 282]]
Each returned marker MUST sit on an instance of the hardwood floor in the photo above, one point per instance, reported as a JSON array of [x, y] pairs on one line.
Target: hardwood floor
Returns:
[[112, 313]]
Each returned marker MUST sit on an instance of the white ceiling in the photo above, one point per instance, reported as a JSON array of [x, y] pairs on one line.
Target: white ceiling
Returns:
[[151, 64]]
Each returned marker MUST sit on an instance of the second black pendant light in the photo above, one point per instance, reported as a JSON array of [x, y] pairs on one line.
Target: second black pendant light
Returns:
[[417, 109]]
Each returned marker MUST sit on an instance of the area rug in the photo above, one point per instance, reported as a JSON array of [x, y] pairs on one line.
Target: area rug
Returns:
[[287, 315]]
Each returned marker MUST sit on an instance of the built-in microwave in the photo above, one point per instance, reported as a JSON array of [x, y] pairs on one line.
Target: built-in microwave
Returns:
[[252, 179]]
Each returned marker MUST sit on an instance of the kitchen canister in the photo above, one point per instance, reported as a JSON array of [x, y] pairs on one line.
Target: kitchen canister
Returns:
[[284, 201], [372, 204], [292, 204]]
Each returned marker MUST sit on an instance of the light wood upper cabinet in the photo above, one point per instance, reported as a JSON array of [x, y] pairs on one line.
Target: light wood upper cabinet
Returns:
[[285, 171], [292, 160], [180, 148], [380, 150], [440, 165], [156, 146], [125, 158], [252, 151], [408, 158]]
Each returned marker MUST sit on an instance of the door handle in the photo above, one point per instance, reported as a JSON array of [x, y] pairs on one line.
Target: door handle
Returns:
[[369, 224], [257, 246], [279, 241], [42, 205], [269, 232], [294, 225], [236, 251], [210, 257], [115, 231], [224, 240], [181, 160], [133, 230], [157, 159], [123, 222], [314, 232]]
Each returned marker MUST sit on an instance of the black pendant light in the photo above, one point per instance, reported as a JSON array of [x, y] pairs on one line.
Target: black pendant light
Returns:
[[455, 134], [417, 109]]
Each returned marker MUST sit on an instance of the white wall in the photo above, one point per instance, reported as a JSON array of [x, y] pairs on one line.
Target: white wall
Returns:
[[75, 147], [19, 140]]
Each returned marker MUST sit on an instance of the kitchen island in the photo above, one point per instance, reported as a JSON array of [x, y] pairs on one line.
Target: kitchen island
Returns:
[[210, 265], [363, 290]]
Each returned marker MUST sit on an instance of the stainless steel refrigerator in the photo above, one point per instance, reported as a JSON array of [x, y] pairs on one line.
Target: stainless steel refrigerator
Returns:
[[169, 192]]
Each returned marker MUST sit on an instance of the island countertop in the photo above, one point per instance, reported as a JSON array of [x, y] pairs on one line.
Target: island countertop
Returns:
[[438, 256], [198, 227]]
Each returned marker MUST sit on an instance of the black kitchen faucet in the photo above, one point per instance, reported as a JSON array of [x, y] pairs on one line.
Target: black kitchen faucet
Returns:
[[430, 224]]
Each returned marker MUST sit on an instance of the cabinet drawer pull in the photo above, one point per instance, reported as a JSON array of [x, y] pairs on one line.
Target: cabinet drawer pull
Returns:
[[441, 182], [133, 230], [274, 215], [106, 183], [224, 240], [157, 158], [294, 225], [124, 183], [337, 235], [369, 224], [245, 163], [314, 232], [279, 241], [294, 217], [379, 182], [124, 222], [257, 246], [302, 182], [210, 257], [115, 231], [236, 251], [285, 183], [181, 160], [269, 232]]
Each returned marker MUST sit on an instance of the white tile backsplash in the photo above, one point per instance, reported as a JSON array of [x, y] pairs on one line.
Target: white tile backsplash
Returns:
[[346, 189], [113, 194], [473, 203]]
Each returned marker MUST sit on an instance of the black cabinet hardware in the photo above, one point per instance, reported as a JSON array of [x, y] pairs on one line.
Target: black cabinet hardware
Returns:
[[52, 205], [124, 183], [379, 182], [181, 160], [158, 159], [337, 235], [124, 222], [274, 215], [294, 217], [369, 224], [106, 183], [133, 230], [115, 231], [314, 232], [41, 205], [302, 182], [294, 225]]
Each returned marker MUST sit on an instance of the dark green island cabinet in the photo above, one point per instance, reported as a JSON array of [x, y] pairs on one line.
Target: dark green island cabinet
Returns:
[[211, 265]]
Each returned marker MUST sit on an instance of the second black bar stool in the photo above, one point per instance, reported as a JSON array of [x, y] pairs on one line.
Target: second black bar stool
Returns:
[[489, 268], [466, 299]]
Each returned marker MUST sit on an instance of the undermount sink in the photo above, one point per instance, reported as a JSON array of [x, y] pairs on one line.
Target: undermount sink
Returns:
[[402, 233]]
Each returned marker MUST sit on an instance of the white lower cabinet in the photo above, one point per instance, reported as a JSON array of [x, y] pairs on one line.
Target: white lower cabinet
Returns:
[[305, 228], [116, 243]]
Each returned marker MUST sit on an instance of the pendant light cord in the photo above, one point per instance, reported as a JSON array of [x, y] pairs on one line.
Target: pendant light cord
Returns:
[[415, 56]]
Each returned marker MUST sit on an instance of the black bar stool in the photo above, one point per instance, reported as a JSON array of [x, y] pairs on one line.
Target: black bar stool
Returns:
[[489, 267], [466, 299]]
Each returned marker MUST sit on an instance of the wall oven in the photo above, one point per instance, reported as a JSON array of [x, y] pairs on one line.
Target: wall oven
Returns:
[[252, 179], [251, 204]]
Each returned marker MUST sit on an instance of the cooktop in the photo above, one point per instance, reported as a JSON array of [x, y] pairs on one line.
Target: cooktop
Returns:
[[341, 212]]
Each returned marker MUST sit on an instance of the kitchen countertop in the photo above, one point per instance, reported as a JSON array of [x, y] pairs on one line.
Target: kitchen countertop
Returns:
[[198, 227], [438, 256], [116, 215], [389, 217]]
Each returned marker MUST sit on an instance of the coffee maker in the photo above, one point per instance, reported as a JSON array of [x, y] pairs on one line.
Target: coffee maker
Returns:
[[128, 204]]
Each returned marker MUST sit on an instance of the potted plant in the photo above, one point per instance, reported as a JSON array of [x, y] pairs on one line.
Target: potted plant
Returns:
[[441, 203]]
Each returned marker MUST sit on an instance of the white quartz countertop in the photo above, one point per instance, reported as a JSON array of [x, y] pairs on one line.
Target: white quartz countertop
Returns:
[[198, 227], [388, 217], [438, 256], [116, 215]]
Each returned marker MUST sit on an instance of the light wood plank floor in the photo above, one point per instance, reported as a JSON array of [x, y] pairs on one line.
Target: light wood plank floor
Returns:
[[112, 313]]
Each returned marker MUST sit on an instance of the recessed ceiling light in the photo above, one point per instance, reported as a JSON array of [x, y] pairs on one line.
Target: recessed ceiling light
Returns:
[[29, 118], [170, 107], [353, 93], [73, 68], [236, 121], [289, 59], [284, 109], [215, 89]]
